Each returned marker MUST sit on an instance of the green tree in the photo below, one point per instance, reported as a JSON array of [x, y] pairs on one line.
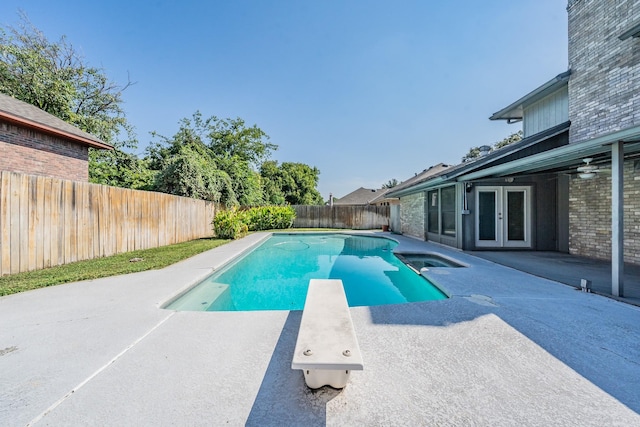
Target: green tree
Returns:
[[246, 182], [390, 184], [191, 134], [474, 152], [272, 183], [53, 76], [514, 137], [120, 169], [225, 146], [295, 182], [56, 78], [306, 179], [231, 138], [191, 174]]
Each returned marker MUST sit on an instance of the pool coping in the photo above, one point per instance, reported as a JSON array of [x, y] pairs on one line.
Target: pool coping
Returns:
[[507, 348]]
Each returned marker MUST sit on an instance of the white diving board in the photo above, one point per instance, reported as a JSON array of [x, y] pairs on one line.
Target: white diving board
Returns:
[[327, 349]]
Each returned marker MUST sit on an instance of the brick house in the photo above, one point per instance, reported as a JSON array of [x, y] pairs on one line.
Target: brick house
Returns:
[[572, 184], [34, 142]]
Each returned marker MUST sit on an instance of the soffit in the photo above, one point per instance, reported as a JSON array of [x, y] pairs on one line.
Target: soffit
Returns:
[[514, 111]]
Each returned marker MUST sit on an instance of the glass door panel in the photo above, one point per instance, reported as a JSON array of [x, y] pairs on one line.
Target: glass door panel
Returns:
[[487, 215], [515, 215]]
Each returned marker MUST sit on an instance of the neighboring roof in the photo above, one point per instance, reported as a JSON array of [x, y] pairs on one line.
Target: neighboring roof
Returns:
[[382, 196], [514, 111], [361, 196], [21, 113]]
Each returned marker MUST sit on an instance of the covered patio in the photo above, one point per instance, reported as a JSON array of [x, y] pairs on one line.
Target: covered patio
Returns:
[[569, 269], [613, 149]]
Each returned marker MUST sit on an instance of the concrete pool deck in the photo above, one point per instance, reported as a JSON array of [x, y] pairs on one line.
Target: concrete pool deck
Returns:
[[507, 349]]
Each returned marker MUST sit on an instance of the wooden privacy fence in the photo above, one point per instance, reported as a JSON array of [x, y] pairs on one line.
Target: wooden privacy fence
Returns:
[[341, 216], [46, 222]]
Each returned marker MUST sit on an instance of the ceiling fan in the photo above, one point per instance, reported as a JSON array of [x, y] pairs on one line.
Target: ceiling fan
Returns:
[[589, 171]]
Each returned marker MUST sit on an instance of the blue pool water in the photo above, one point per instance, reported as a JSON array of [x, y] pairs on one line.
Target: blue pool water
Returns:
[[275, 275]]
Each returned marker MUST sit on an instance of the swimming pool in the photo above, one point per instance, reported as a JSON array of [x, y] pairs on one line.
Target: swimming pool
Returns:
[[276, 274]]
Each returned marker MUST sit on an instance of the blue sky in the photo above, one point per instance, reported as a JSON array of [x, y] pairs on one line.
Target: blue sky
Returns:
[[365, 91]]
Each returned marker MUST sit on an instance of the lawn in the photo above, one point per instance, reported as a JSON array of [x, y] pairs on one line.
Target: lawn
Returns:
[[149, 259]]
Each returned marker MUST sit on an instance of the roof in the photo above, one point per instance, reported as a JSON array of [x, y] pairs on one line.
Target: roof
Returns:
[[565, 156], [569, 155], [23, 114], [514, 111], [361, 196], [419, 178], [491, 158], [454, 173]]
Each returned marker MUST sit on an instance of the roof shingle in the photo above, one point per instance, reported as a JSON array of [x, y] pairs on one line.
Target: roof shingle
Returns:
[[17, 111]]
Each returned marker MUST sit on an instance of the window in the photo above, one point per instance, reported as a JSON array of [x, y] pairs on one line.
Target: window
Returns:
[[448, 211], [441, 211], [433, 207]]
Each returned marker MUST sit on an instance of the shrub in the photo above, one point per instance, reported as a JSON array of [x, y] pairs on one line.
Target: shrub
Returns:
[[230, 224], [270, 217]]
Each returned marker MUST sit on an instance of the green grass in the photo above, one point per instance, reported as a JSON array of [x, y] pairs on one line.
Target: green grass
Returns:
[[104, 267]]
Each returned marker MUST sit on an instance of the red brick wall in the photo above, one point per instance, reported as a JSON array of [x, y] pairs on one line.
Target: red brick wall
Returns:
[[27, 151]]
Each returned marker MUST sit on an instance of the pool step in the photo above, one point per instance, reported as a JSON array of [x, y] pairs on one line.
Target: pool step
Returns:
[[207, 296]]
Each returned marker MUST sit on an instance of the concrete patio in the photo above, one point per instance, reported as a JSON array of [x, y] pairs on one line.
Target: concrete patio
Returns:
[[507, 348], [569, 269]]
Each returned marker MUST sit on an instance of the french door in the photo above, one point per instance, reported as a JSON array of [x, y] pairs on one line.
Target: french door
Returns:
[[503, 216]]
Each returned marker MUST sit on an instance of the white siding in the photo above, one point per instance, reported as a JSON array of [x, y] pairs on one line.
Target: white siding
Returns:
[[546, 113]]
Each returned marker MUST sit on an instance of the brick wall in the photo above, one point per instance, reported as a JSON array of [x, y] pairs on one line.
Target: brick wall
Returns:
[[605, 71], [26, 151], [412, 215], [590, 215]]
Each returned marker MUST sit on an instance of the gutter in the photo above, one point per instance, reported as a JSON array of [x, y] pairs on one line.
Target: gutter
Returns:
[[417, 187], [540, 92], [20, 121]]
